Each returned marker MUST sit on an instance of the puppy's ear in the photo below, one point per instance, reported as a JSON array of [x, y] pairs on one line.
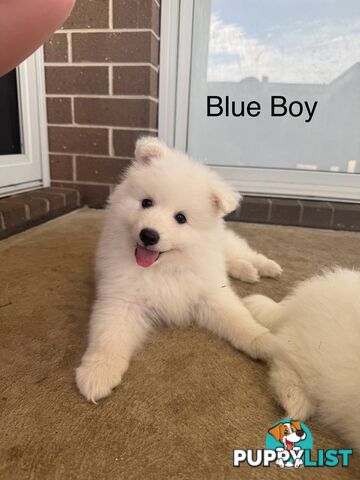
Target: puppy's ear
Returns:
[[224, 198], [277, 431], [147, 148], [296, 424]]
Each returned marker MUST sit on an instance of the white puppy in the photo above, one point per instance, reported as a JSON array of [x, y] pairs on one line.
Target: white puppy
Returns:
[[315, 352], [164, 256]]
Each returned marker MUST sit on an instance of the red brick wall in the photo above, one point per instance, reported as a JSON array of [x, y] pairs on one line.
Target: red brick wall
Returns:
[[102, 91]]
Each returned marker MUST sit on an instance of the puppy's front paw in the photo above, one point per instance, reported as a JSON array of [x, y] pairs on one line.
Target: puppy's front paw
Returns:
[[95, 379], [269, 268], [259, 347], [244, 271]]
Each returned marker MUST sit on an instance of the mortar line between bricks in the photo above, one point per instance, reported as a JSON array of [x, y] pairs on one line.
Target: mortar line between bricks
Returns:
[[331, 206], [27, 211], [102, 96], [111, 143], [72, 106], [110, 75], [69, 47], [103, 127], [301, 213], [155, 35], [2, 221], [108, 30], [78, 198], [63, 196], [101, 64], [269, 214], [111, 14], [74, 167], [92, 155], [83, 182]]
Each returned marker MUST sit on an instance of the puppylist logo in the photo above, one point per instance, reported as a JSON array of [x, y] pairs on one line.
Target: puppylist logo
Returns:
[[289, 444]]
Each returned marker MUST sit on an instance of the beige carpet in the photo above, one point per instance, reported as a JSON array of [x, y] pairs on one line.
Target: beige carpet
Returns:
[[188, 398]]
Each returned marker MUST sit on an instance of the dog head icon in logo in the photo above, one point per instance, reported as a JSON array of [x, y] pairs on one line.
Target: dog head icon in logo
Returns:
[[288, 433], [289, 437]]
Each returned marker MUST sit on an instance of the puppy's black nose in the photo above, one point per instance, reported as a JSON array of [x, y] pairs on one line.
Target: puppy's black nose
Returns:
[[300, 433], [149, 236]]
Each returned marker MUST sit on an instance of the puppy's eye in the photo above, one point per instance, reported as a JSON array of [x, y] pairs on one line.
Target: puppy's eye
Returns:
[[147, 203], [180, 218]]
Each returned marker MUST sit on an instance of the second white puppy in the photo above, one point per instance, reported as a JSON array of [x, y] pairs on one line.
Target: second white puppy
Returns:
[[315, 352], [164, 256]]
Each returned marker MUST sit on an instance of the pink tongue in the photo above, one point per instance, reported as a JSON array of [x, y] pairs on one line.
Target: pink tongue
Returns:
[[145, 257]]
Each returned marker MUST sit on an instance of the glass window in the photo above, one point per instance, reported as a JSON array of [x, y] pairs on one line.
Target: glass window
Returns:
[[285, 77], [9, 115]]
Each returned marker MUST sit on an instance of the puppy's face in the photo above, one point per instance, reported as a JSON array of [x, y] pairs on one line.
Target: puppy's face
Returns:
[[288, 433], [168, 203]]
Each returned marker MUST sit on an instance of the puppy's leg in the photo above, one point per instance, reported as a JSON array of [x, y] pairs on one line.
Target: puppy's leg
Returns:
[[290, 391], [265, 311], [116, 330], [223, 313], [240, 258]]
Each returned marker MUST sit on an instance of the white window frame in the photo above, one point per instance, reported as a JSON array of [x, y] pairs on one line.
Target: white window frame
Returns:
[[174, 89], [29, 169]]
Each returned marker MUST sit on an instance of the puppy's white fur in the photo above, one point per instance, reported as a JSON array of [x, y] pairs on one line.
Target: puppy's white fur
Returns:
[[315, 352], [189, 280]]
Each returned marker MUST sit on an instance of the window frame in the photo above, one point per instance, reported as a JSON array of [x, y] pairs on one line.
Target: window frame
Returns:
[[29, 169], [177, 18]]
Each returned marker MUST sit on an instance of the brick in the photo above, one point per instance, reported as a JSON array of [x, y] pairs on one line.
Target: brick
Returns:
[[153, 120], [55, 201], [20, 211], [255, 209], [58, 110], [154, 51], [70, 196], [56, 48], [61, 167], [285, 211], [155, 18], [78, 140], [136, 14], [77, 80], [118, 112], [34, 207], [57, 198], [115, 47], [95, 196], [135, 81], [346, 216], [124, 141], [89, 14], [102, 170], [316, 214], [14, 214]]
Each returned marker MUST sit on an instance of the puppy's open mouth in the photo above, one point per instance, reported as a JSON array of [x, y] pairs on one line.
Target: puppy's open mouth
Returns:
[[289, 445], [145, 257]]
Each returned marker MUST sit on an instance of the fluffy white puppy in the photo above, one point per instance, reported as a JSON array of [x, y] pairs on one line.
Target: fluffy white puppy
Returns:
[[315, 352], [163, 257]]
